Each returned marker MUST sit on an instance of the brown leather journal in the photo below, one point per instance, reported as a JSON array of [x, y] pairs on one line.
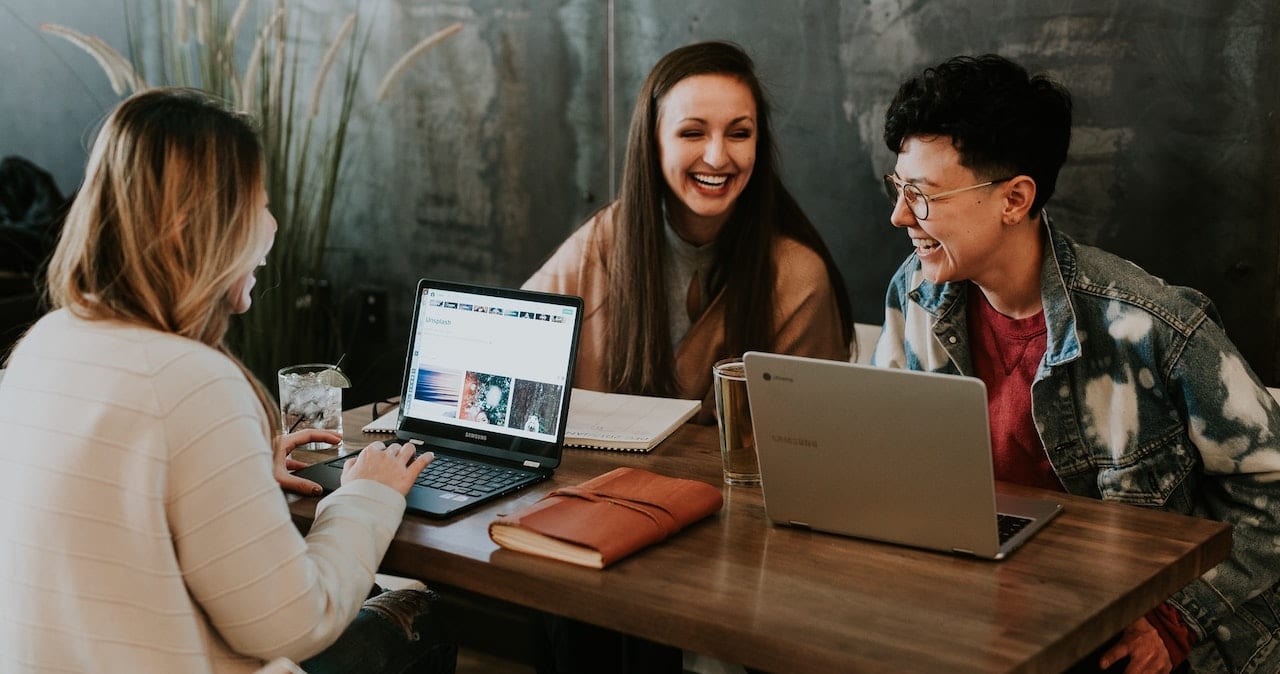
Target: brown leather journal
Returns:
[[606, 518]]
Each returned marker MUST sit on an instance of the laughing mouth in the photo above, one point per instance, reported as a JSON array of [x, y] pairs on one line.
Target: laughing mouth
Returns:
[[709, 180], [925, 245]]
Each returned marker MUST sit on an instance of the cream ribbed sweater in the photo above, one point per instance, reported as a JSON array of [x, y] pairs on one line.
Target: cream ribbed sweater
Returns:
[[142, 530]]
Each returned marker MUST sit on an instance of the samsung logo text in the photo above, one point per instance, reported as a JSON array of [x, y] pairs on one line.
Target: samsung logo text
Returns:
[[799, 442]]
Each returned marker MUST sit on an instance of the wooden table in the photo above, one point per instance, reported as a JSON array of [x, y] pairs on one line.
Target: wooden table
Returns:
[[786, 600]]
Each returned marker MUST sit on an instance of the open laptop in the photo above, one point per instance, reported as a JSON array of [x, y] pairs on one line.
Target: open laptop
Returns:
[[486, 387], [891, 455]]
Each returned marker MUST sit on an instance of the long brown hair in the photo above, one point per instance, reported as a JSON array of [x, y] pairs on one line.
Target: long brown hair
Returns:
[[166, 223], [640, 356]]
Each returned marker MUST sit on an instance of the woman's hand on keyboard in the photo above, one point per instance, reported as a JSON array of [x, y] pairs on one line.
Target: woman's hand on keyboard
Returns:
[[393, 466], [282, 464]]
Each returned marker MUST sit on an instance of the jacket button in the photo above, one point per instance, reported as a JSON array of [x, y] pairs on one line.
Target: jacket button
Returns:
[[952, 339]]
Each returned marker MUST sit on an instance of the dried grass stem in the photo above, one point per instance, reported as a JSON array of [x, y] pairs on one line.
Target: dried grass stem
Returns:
[[119, 73], [347, 26], [412, 55]]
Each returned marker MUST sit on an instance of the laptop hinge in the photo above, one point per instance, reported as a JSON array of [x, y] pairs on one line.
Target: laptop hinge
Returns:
[[532, 464], [802, 525]]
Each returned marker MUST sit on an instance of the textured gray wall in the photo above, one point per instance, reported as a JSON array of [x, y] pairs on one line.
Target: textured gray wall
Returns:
[[51, 94], [500, 142]]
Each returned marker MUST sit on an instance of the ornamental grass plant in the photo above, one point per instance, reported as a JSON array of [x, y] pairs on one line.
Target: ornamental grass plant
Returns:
[[302, 89]]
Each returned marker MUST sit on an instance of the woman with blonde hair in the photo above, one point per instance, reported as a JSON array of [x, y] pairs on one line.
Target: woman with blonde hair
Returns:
[[144, 527]]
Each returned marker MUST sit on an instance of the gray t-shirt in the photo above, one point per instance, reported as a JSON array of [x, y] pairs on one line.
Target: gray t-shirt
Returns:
[[683, 260]]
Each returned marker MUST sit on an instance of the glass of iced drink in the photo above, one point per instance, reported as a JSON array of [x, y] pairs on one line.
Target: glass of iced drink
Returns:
[[311, 397]]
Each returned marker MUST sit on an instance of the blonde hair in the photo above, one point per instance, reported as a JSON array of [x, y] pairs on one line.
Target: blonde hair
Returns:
[[167, 222]]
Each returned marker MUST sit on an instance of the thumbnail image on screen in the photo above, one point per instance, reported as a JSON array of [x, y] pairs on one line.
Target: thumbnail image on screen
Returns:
[[535, 406], [485, 398], [436, 393]]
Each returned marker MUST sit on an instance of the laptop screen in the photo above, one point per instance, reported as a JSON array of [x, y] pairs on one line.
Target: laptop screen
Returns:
[[489, 369]]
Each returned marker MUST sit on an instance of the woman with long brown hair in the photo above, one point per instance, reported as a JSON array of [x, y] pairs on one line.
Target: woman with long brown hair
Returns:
[[144, 527], [705, 254]]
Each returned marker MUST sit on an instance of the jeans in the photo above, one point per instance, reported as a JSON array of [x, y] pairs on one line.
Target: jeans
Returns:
[[394, 633]]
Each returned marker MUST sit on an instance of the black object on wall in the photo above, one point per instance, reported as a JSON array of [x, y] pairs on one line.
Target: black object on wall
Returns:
[[31, 213]]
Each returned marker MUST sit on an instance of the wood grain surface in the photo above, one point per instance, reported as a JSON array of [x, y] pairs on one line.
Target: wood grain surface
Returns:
[[783, 600]]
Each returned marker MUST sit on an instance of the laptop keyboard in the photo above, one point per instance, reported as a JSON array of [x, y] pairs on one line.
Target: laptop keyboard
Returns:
[[468, 478], [1010, 525]]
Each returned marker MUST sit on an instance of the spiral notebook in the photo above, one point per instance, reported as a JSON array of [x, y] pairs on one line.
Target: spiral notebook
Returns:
[[612, 421], [621, 422], [385, 423]]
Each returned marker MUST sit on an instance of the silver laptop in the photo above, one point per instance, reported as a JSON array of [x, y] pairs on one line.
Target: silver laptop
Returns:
[[891, 455]]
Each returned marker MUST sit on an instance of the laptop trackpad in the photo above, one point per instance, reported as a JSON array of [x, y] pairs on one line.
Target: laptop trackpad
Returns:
[[326, 474]]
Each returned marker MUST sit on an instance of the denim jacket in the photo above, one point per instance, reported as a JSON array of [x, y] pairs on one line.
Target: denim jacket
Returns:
[[1140, 398]]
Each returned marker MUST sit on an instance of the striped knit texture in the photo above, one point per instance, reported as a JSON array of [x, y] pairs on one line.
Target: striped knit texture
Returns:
[[141, 527]]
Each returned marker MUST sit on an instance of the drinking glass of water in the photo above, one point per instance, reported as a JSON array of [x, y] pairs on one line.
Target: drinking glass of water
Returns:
[[733, 417], [311, 397]]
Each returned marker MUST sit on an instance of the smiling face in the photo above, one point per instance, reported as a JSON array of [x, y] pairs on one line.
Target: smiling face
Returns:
[[963, 237], [240, 297], [707, 145]]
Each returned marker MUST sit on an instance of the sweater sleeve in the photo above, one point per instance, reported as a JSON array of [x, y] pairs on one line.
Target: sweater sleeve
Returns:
[[268, 592], [807, 318], [559, 273], [563, 272]]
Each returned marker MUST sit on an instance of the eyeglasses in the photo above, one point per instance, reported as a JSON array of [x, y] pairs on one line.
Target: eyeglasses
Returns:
[[918, 201]]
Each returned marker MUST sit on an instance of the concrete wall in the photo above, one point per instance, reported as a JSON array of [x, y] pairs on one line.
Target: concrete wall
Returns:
[[501, 141]]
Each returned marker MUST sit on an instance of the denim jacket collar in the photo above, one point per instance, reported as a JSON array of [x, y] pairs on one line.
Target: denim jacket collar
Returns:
[[1057, 273]]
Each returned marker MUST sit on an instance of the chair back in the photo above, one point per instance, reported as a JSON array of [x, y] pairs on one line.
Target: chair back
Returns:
[[865, 336]]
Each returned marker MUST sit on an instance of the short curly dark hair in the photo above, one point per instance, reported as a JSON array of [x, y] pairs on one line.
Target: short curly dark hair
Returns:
[[1003, 121]]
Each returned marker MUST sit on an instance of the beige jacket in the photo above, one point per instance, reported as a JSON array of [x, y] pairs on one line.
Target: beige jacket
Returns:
[[806, 315]]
